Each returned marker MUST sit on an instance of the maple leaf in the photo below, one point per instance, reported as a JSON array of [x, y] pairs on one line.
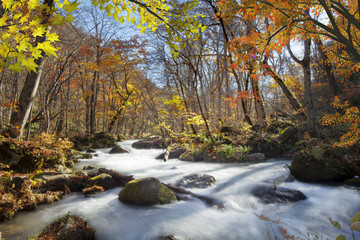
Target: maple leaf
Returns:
[[52, 37], [29, 64], [47, 48], [71, 7], [39, 31], [16, 67]]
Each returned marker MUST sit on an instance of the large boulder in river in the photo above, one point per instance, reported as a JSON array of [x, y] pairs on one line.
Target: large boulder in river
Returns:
[[196, 180], [146, 191], [154, 142], [68, 228], [322, 163], [118, 149], [273, 194]]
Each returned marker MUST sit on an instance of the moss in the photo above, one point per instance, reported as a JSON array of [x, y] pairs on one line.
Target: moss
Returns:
[[146, 191], [320, 164], [353, 182]]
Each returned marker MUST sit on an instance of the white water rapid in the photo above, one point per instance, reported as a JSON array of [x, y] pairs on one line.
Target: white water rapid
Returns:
[[193, 219]]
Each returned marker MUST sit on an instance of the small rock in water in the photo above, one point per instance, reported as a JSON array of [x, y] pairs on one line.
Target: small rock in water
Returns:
[[196, 180], [273, 194], [118, 149], [88, 167]]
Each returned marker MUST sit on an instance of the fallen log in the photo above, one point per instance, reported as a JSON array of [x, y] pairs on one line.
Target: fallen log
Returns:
[[208, 200], [123, 179]]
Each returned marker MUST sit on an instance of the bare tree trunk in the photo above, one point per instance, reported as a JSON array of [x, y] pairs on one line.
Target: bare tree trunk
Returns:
[[305, 64], [93, 103], [295, 104], [259, 107]]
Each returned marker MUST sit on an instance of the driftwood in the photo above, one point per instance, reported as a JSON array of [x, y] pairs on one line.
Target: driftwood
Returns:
[[208, 200], [123, 179]]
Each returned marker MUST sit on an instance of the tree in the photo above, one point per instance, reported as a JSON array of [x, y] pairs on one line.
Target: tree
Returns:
[[25, 16]]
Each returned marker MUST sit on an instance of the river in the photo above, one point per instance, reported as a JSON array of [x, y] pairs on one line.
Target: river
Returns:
[[194, 219]]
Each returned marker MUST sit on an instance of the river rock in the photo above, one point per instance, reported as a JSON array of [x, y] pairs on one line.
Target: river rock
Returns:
[[86, 156], [62, 182], [154, 142], [146, 191], [196, 180], [273, 194], [90, 150], [255, 157], [174, 153], [103, 180], [118, 149], [322, 163], [68, 228]]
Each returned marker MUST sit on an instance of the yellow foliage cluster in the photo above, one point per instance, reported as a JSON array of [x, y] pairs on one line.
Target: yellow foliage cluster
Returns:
[[21, 23], [349, 115]]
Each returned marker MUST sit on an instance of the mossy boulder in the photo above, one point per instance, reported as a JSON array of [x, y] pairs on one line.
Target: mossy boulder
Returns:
[[321, 163], [146, 191], [353, 182], [268, 146], [69, 227]]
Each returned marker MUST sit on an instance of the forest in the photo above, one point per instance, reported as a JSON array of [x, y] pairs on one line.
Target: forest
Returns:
[[218, 82]]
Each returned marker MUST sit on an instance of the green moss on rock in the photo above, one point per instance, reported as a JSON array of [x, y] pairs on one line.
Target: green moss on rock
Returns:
[[146, 191], [325, 164]]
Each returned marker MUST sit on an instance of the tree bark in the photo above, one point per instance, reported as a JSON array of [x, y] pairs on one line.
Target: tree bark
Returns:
[[305, 64], [295, 104], [27, 95]]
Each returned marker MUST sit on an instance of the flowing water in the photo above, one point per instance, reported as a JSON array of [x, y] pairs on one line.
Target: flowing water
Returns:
[[193, 219]]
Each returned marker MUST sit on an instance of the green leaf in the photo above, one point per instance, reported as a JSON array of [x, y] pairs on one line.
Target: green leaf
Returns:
[[335, 224], [356, 217], [340, 237], [71, 7]]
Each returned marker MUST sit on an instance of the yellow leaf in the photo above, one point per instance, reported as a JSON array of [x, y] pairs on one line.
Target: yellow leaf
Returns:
[[3, 20], [47, 48], [52, 37], [39, 31], [16, 67], [29, 64]]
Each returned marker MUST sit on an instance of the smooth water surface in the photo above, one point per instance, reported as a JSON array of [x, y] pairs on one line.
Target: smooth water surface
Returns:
[[193, 219]]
